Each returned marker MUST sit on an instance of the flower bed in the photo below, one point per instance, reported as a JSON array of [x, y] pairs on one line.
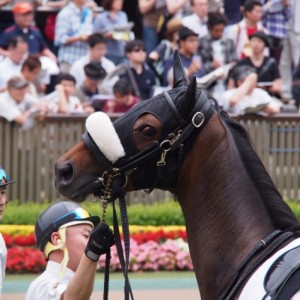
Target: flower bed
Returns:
[[152, 249]]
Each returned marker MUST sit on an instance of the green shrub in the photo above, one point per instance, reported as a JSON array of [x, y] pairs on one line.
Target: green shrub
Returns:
[[167, 213], [295, 206]]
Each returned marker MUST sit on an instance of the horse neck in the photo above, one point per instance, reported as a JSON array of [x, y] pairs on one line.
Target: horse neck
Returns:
[[224, 214]]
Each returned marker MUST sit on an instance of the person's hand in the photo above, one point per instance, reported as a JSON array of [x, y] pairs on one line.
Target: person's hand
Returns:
[[108, 34], [195, 66], [100, 241], [83, 37], [59, 88], [88, 108], [216, 64]]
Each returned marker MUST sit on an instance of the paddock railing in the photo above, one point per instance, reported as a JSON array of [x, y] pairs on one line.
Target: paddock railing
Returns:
[[29, 155]]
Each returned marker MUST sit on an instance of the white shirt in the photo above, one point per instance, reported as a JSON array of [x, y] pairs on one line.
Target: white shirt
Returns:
[[74, 104], [77, 69], [294, 20], [194, 23], [8, 69], [258, 97], [3, 256], [47, 286], [10, 109], [218, 54]]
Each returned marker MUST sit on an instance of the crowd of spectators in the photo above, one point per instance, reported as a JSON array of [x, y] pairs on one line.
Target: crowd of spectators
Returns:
[[88, 58]]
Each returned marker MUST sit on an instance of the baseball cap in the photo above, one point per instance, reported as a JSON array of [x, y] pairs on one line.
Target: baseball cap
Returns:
[[185, 32], [262, 36], [22, 8], [17, 82]]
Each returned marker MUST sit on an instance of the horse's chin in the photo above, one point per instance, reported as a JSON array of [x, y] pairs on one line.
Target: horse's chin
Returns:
[[88, 191]]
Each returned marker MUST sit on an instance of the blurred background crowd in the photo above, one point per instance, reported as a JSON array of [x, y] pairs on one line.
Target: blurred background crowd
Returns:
[[80, 56]]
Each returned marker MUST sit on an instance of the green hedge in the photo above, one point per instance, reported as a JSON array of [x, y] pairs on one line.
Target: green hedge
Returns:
[[167, 213]]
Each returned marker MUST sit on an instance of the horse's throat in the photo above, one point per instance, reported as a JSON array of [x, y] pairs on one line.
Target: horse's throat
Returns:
[[224, 216]]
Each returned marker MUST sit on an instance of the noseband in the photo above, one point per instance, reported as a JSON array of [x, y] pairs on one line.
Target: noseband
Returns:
[[170, 149]]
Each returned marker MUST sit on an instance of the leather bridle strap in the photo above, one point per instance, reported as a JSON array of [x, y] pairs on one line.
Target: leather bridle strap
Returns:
[[123, 261], [173, 108], [106, 275], [201, 114]]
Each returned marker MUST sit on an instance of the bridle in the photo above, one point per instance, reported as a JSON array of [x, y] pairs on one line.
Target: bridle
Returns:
[[169, 149], [171, 153]]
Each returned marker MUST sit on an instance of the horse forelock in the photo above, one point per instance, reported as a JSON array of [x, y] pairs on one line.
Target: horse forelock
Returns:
[[280, 214]]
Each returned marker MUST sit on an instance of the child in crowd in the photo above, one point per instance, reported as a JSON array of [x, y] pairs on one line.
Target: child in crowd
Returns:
[[62, 100], [123, 98]]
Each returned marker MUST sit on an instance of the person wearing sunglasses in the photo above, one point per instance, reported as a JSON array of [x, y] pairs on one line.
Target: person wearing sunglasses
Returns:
[[138, 72], [72, 241], [4, 182]]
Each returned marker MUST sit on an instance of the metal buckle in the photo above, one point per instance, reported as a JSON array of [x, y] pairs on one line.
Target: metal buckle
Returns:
[[194, 119]]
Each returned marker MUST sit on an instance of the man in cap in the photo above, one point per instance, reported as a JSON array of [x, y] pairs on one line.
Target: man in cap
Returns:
[[24, 16], [266, 68], [17, 104], [188, 45], [72, 241], [4, 182]]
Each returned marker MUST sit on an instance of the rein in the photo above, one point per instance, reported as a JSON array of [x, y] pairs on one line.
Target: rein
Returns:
[[265, 247]]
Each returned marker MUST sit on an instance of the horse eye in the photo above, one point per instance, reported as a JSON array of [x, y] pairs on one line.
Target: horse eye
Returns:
[[149, 131]]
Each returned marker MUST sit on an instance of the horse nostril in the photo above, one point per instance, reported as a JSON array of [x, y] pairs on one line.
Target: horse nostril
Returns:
[[64, 172]]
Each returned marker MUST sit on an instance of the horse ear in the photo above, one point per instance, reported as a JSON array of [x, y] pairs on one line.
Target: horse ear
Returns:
[[178, 71], [188, 101]]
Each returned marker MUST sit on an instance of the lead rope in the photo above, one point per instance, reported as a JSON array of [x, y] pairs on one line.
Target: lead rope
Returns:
[[107, 258], [123, 261]]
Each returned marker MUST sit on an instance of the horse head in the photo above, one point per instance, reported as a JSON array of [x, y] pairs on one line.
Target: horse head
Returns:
[[143, 149]]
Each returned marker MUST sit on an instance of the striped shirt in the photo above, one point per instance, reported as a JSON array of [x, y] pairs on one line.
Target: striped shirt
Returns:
[[72, 22]]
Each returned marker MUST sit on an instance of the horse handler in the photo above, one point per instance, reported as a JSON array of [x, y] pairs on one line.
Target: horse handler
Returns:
[[4, 182], [72, 241]]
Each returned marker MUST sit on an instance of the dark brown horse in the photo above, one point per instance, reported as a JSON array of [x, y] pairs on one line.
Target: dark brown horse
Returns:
[[236, 220]]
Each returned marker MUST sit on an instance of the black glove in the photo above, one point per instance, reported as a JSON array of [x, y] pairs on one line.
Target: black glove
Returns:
[[100, 241]]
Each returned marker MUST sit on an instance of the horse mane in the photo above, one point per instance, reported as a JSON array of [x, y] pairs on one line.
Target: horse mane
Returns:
[[280, 213]]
